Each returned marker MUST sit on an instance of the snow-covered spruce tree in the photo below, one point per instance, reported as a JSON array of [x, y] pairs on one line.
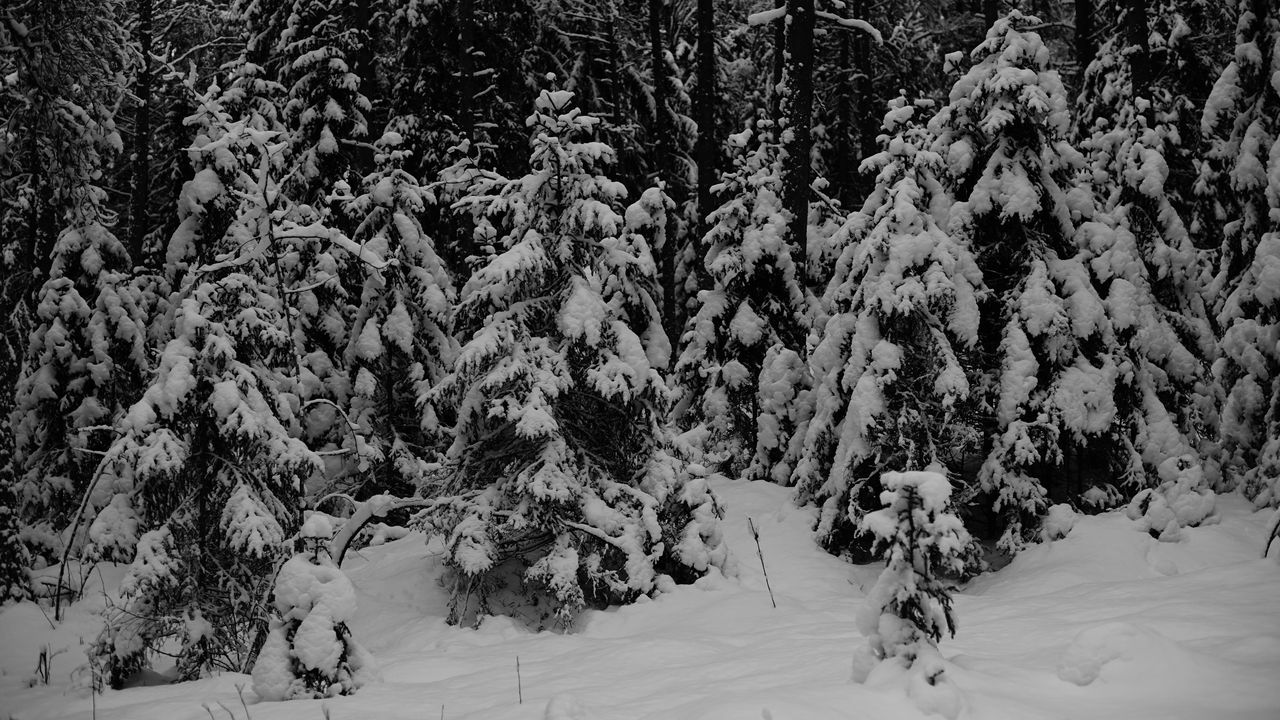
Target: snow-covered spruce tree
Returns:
[[560, 473], [1047, 374], [84, 363], [890, 373], [400, 346], [309, 652], [15, 583], [1142, 254], [325, 109], [755, 310], [205, 465], [909, 608], [1243, 118]]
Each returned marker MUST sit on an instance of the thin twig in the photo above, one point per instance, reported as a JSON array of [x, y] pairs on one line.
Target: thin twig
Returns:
[[519, 683], [755, 533]]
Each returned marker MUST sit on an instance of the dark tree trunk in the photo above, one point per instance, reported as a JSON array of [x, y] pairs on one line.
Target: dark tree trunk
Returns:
[[1138, 50], [990, 12], [142, 137], [779, 62], [1085, 47], [662, 129], [705, 111], [798, 112], [466, 66], [845, 162]]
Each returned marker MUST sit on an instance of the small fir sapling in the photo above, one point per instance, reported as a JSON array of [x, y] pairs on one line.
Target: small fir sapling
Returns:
[[310, 652], [910, 606]]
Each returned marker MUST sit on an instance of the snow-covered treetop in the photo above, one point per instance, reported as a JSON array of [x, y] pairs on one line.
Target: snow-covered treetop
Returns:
[[1003, 132]]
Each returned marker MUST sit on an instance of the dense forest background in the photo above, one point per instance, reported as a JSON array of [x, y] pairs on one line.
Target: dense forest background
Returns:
[[541, 265]]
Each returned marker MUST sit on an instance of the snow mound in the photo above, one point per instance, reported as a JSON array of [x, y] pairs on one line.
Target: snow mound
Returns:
[[1096, 647], [565, 707], [1059, 521]]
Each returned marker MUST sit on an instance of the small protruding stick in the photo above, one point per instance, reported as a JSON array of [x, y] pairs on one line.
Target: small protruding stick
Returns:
[[519, 682], [755, 533]]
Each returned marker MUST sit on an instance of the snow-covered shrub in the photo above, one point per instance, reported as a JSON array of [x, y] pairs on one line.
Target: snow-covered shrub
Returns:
[[891, 383], [562, 475], [1058, 521], [910, 605], [756, 309], [1181, 500], [909, 608], [309, 652]]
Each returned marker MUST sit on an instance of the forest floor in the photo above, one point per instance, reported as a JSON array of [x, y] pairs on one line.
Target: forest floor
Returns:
[[1153, 630]]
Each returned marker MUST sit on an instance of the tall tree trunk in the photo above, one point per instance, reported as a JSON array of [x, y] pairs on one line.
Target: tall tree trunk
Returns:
[[797, 172], [779, 62], [1137, 48], [845, 162], [990, 12], [466, 66], [142, 137], [662, 129], [1085, 47], [705, 112]]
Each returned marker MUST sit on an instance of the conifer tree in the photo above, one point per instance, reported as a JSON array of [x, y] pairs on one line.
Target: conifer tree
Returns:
[[400, 346], [1048, 374], [325, 108], [756, 308], [84, 362], [1142, 253], [890, 372], [910, 606], [205, 462], [14, 558], [561, 470], [1242, 118]]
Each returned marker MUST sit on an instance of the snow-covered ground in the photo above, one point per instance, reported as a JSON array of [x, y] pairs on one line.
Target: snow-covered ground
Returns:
[[1107, 623]]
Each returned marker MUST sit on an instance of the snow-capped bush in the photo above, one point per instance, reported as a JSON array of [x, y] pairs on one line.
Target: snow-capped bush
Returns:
[[309, 652], [1181, 500], [1058, 521]]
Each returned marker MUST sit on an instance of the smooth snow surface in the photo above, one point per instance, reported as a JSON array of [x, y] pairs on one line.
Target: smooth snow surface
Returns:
[[1106, 624]]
